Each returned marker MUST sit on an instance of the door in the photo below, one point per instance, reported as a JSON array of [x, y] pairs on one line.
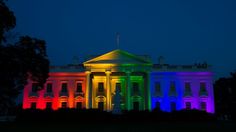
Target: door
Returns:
[[79, 105], [172, 106], [101, 106], [135, 105]]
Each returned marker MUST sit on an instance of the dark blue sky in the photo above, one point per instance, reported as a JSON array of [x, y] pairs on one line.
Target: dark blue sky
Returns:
[[183, 31]]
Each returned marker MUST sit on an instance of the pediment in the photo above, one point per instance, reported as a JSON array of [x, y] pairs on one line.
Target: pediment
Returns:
[[119, 57]]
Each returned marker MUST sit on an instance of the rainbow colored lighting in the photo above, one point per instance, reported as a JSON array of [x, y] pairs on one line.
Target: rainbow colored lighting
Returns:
[[93, 85]]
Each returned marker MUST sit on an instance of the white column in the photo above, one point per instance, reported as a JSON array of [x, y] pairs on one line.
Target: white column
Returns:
[[148, 92], [128, 87], [108, 88], [87, 94]]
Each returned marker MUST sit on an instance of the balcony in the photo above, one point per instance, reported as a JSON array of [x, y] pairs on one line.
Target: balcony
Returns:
[[48, 94], [79, 94], [33, 94]]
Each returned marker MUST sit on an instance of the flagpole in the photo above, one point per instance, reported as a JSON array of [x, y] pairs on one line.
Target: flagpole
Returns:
[[117, 40]]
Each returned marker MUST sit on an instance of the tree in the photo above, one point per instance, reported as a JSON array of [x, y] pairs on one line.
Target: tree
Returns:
[[23, 60], [225, 96], [7, 20]]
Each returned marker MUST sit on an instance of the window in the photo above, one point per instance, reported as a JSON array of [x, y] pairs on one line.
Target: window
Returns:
[[49, 105], [49, 87], [64, 87], [187, 88], [33, 105], [158, 105], [135, 87], [100, 87], [79, 105], [172, 106], [35, 87], [79, 87], [203, 87], [203, 106], [157, 88], [172, 85], [172, 88], [188, 105], [63, 104]]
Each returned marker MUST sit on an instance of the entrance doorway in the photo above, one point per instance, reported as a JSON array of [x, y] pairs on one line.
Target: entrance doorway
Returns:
[[79, 105], [101, 106], [135, 105]]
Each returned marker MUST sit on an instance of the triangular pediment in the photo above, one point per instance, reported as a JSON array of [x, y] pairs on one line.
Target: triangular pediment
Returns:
[[119, 57]]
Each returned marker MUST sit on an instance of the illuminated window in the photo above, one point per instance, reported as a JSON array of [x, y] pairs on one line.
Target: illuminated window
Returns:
[[203, 106], [79, 105], [35, 87], [100, 87], [79, 87], [33, 105], [63, 104], [187, 87], [203, 88], [172, 88], [172, 106], [157, 88], [64, 87], [49, 105], [188, 105], [172, 85], [49, 87], [135, 87]]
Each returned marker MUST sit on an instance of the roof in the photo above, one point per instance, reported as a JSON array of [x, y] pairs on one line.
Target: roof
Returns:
[[118, 57]]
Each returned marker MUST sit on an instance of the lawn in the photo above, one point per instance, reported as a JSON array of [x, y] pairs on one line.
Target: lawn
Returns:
[[119, 127]]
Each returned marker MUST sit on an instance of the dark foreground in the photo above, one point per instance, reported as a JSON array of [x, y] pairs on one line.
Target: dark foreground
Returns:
[[71, 120], [119, 127]]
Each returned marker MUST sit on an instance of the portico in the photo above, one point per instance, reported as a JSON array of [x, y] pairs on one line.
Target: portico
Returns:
[[118, 69]]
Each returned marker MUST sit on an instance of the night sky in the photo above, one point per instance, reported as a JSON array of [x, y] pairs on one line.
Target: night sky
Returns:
[[183, 31]]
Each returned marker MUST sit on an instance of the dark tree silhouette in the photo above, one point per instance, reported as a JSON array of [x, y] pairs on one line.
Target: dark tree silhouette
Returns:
[[26, 59], [7, 20], [225, 96]]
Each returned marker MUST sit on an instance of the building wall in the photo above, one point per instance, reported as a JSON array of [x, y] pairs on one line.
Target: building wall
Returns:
[[56, 97], [195, 97], [165, 97]]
